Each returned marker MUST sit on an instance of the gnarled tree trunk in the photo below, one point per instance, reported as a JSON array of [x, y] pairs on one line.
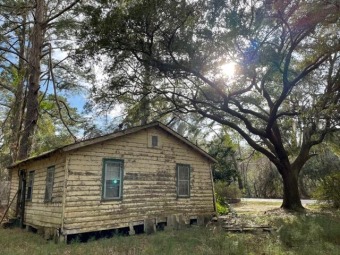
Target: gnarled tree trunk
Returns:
[[291, 195]]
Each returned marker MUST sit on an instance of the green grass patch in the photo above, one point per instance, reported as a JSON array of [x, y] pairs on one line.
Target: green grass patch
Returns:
[[310, 234], [193, 240]]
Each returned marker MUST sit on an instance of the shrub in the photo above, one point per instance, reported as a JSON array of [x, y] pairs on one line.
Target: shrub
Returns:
[[329, 190], [221, 208], [225, 191]]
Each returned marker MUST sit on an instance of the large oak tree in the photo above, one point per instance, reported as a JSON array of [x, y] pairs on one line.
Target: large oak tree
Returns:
[[286, 89]]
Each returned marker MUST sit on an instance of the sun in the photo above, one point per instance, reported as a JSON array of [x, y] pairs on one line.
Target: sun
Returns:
[[228, 69]]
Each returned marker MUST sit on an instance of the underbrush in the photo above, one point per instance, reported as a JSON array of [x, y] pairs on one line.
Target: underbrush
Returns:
[[311, 234], [296, 234], [329, 190]]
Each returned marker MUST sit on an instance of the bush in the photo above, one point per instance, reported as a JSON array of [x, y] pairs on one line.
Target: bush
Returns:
[[329, 190], [225, 191], [222, 208]]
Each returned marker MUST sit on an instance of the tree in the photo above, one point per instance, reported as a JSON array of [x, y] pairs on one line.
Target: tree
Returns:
[[223, 150], [318, 168], [28, 31], [281, 49], [130, 84]]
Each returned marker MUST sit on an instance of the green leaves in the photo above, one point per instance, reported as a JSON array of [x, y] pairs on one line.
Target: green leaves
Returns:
[[283, 99]]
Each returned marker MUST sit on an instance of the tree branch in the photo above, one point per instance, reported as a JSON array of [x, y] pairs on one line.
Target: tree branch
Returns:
[[56, 97], [61, 12], [251, 142]]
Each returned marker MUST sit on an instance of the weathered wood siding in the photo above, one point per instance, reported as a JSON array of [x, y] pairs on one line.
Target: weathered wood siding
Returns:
[[4, 192], [39, 213], [13, 192], [149, 183]]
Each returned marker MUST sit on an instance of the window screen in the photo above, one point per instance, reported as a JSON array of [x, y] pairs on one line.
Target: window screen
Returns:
[[30, 185], [49, 184], [112, 179], [154, 141], [183, 180]]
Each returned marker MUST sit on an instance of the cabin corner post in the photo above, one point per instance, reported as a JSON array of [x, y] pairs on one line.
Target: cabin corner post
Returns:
[[10, 186], [22, 204], [212, 187], [62, 236]]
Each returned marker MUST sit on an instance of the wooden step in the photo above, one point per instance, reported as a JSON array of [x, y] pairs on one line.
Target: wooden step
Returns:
[[240, 229]]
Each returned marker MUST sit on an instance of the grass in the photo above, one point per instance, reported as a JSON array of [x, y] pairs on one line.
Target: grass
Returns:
[[188, 241], [310, 233]]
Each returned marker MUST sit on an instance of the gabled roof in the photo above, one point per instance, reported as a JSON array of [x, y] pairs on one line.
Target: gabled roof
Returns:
[[114, 135]]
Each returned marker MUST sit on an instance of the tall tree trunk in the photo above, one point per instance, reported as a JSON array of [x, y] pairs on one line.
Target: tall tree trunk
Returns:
[[239, 179], [32, 106], [145, 102], [18, 110], [291, 195]]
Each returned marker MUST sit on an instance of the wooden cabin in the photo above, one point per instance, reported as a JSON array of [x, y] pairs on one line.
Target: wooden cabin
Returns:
[[147, 176]]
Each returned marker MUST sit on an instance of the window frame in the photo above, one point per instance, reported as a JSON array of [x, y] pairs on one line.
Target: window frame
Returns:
[[178, 180], [154, 141], [151, 139], [30, 184], [51, 183], [120, 197]]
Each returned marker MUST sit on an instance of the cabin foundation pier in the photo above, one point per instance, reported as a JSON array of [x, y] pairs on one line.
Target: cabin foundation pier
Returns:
[[203, 220], [61, 239], [132, 231], [149, 226], [172, 222]]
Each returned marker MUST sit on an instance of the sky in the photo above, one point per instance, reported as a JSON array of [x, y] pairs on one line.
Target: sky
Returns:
[[79, 98]]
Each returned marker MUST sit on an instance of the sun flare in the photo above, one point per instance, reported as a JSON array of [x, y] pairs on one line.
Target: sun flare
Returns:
[[228, 69]]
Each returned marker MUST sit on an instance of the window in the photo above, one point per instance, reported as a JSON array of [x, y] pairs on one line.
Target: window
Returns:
[[112, 179], [154, 141], [49, 184], [183, 180], [30, 185]]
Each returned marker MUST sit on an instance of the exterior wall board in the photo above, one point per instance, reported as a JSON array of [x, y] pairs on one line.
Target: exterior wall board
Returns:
[[149, 182], [37, 211]]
